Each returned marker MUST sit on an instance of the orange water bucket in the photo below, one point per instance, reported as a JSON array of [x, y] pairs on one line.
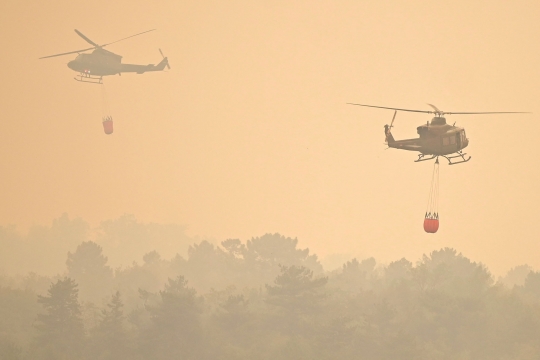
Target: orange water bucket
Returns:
[[431, 225], [108, 126]]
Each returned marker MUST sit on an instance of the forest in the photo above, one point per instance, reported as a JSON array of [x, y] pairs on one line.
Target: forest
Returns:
[[66, 294]]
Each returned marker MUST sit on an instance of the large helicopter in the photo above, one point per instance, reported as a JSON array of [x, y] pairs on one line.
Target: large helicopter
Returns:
[[92, 67], [436, 137]]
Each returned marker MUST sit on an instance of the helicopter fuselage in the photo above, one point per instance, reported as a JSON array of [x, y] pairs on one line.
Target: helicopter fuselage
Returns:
[[435, 138], [103, 63], [96, 64]]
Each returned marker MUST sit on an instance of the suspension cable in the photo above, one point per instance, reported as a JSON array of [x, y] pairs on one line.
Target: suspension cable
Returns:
[[433, 198], [104, 103]]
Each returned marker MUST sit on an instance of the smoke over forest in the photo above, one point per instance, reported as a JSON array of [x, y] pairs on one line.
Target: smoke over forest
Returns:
[[70, 292], [271, 220]]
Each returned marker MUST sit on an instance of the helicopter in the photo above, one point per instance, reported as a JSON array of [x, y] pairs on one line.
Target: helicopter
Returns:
[[92, 67], [436, 137]]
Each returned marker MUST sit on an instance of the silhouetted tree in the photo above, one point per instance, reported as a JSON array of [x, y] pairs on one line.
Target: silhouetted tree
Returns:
[[398, 271], [175, 331], [88, 266], [234, 247], [152, 258], [447, 271], [298, 297], [206, 266], [110, 337], [149, 277], [18, 310], [357, 276], [516, 276], [126, 239], [295, 288], [275, 250], [532, 284], [61, 331]]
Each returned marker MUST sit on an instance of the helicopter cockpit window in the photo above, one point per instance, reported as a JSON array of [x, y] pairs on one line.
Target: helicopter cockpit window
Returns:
[[445, 141], [452, 140]]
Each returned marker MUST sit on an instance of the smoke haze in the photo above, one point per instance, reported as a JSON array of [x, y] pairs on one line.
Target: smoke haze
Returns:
[[249, 135]]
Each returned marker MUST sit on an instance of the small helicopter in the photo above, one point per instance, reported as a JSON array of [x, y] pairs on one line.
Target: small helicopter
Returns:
[[92, 67], [436, 137]]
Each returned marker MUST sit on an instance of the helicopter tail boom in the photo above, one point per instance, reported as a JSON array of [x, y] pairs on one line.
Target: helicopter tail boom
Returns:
[[141, 69]]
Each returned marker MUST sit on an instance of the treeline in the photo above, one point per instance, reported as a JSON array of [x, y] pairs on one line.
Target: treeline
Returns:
[[43, 249], [268, 299]]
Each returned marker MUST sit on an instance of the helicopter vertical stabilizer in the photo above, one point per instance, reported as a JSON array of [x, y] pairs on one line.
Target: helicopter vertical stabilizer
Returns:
[[389, 137], [162, 64], [388, 130]]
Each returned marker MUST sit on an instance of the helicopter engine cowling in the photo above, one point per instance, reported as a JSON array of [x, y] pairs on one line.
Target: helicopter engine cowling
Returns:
[[438, 120]]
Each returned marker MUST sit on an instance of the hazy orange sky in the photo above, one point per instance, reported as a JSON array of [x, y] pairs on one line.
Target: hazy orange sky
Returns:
[[249, 132]]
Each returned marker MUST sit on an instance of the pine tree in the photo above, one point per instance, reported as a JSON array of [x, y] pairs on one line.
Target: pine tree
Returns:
[[175, 332], [88, 266], [110, 337], [61, 330]]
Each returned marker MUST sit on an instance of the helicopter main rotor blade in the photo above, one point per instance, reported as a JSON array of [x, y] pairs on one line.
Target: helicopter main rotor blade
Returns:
[[492, 112], [391, 108], [441, 113], [435, 108], [394, 118], [92, 43], [144, 32], [67, 53], [85, 38]]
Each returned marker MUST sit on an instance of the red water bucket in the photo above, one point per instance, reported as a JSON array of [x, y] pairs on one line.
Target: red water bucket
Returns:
[[108, 126], [431, 225]]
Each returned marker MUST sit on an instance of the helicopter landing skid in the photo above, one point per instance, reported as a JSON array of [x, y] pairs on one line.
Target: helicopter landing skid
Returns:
[[87, 78], [460, 154], [421, 158]]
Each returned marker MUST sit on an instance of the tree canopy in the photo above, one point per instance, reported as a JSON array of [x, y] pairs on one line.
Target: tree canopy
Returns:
[[266, 298]]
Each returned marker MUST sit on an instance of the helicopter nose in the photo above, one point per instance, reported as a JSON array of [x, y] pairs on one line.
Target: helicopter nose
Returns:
[[71, 64]]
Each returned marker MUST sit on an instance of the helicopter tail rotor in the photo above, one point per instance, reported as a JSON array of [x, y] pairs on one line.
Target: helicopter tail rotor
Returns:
[[388, 129], [392, 123], [164, 58]]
